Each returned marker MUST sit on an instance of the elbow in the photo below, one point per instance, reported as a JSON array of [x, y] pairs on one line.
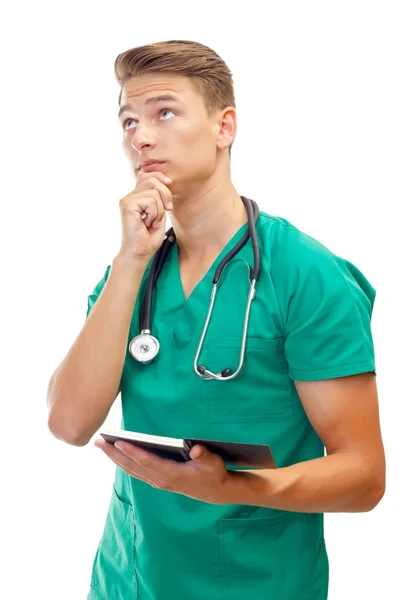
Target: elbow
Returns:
[[374, 483], [58, 425], [72, 438], [379, 486], [376, 496], [79, 441], [377, 489]]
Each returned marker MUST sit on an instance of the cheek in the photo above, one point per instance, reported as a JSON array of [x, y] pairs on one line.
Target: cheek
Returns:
[[197, 145], [191, 135]]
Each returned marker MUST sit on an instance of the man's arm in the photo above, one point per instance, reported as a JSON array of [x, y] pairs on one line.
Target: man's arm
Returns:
[[83, 388], [351, 478]]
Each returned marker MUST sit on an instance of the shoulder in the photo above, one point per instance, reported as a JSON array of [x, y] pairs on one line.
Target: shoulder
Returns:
[[283, 241], [296, 260]]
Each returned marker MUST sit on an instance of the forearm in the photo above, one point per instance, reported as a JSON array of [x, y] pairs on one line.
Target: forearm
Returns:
[[86, 383], [340, 482]]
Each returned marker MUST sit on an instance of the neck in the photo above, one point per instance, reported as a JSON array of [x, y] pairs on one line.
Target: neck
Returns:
[[205, 223]]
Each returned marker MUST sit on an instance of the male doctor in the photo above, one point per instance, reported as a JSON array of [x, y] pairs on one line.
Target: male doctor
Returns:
[[198, 530]]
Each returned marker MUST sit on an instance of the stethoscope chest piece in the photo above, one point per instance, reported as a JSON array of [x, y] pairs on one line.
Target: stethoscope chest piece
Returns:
[[144, 347]]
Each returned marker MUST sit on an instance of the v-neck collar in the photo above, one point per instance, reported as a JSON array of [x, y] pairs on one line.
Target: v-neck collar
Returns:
[[211, 271]]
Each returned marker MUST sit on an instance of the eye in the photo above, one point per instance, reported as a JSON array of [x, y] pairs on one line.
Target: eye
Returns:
[[167, 110], [161, 111], [126, 121]]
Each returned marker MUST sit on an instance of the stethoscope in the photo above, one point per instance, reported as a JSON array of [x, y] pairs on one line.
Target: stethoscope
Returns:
[[144, 347]]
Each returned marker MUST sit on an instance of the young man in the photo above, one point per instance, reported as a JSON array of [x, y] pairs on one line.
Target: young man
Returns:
[[197, 530]]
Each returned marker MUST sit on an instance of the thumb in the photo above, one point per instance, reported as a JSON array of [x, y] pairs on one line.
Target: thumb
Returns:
[[198, 452]]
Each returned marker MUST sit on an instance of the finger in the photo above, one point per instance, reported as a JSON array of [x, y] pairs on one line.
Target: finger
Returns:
[[160, 183], [146, 459], [124, 461], [152, 209], [155, 212], [151, 472], [146, 205], [138, 454], [165, 193], [145, 176]]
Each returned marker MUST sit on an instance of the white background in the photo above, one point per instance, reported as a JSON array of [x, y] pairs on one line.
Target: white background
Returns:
[[321, 99]]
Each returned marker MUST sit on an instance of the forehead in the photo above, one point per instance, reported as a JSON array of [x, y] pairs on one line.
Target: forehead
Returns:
[[138, 89]]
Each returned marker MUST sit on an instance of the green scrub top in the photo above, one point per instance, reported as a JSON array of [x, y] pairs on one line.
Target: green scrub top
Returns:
[[310, 320]]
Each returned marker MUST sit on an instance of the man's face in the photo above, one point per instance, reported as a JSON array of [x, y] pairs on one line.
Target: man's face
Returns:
[[177, 132]]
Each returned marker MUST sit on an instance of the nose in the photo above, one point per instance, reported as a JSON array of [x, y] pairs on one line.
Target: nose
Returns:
[[141, 139]]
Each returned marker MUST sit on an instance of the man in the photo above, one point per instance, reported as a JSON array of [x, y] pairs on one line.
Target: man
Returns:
[[197, 530]]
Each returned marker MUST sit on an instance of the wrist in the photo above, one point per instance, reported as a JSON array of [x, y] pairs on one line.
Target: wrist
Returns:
[[245, 487], [132, 262]]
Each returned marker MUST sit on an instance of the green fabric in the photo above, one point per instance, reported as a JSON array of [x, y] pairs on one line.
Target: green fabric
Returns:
[[310, 320], [97, 291]]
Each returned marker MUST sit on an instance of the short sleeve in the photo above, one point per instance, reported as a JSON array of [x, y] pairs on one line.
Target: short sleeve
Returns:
[[97, 291], [327, 305]]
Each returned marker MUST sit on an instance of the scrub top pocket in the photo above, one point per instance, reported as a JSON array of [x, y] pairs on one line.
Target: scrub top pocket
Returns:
[[268, 557], [261, 391]]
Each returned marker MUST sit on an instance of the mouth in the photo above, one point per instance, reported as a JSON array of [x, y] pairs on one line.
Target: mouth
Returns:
[[151, 166]]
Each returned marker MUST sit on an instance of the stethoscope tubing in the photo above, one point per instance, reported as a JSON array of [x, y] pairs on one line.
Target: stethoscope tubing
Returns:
[[162, 253], [144, 347]]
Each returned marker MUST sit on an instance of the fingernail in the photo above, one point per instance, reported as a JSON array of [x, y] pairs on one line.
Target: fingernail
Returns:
[[170, 206], [168, 179]]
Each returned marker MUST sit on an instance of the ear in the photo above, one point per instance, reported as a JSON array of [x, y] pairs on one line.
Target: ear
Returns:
[[227, 127]]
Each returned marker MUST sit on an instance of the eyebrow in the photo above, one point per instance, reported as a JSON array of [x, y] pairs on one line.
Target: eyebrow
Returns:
[[153, 100]]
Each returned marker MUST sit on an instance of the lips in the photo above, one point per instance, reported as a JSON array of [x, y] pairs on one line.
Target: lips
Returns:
[[151, 166]]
